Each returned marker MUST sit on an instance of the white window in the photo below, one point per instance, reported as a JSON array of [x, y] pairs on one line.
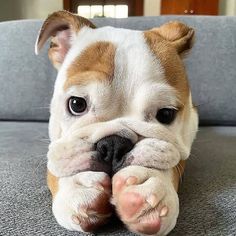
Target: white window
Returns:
[[92, 11]]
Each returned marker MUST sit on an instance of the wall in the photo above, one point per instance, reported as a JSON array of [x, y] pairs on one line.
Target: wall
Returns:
[[39, 9], [152, 7], [28, 9], [227, 7], [8, 10]]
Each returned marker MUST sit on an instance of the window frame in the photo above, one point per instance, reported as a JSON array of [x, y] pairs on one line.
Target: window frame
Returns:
[[135, 7]]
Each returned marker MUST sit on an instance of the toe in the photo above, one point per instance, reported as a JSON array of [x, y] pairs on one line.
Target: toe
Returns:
[[119, 183], [164, 211], [148, 226], [130, 204]]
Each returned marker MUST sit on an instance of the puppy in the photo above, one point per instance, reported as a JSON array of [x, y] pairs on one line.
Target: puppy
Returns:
[[122, 123]]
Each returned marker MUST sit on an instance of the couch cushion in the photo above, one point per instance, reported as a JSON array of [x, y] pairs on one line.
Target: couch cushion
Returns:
[[207, 194], [27, 81]]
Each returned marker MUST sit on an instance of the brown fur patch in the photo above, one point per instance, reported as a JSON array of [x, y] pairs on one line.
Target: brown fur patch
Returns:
[[54, 25], [61, 20], [177, 174], [52, 182], [171, 62], [96, 62], [179, 34]]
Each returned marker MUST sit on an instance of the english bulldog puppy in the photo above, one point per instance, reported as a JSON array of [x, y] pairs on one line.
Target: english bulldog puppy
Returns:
[[122, 123]]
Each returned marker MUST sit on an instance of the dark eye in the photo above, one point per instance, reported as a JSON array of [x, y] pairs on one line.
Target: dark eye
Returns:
[[166, 115], [77, 105]]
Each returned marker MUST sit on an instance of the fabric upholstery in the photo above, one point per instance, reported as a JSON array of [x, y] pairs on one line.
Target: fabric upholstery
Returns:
[[207, 193], [27, 81]]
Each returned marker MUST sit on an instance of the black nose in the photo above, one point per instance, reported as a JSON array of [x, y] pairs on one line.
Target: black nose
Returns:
[[112, 150]]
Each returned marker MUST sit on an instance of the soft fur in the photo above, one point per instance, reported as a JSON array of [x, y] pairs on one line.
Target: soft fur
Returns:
[[126, 77]]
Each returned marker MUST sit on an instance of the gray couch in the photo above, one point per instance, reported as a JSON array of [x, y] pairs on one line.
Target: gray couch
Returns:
[[208, 192]]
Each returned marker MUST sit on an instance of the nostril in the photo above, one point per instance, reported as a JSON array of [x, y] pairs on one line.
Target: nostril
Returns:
[[104, 151], [112, 149], [122, 147]]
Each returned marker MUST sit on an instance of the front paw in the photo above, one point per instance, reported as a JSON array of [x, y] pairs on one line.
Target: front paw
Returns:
[[146, 200], [82, 201]]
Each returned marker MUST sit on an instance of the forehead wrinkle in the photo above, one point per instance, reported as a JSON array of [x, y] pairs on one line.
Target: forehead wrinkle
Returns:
[[158, 94], [96, 62], [87, 36], [135, 65]]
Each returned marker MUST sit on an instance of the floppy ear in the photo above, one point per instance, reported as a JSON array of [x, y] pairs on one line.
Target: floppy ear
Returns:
[[62, 27], [177, 34]]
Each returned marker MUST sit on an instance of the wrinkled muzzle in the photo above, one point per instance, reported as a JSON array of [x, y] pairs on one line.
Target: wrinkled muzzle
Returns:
[[113, 145]]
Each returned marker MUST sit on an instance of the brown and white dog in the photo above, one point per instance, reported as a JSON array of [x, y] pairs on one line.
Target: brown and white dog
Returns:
[[122, 123]]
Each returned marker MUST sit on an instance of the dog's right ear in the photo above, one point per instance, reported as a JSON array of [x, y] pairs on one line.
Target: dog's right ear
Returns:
[[62, 27]]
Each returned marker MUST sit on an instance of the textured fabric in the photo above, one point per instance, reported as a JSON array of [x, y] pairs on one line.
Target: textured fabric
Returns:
[[207, 194], [27, 81]]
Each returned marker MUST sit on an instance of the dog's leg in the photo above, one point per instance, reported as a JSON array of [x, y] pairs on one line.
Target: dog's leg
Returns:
[[81, 202], [52, 182], [146, 200]]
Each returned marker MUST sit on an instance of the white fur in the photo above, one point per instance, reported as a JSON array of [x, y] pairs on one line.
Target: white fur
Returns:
[[137, 91]]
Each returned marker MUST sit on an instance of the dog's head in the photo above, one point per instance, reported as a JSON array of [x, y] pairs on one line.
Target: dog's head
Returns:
[[121, 96]]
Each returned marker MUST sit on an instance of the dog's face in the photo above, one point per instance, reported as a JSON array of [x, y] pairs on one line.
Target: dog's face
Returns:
[[121, 96]]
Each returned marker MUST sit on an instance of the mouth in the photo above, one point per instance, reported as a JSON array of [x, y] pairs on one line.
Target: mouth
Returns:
[[109, 154]]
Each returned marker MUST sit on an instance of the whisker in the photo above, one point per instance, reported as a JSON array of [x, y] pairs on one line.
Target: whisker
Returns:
[[181, 167], [201, 104], [41, 163], [41, 155], [202, 140], [179, 173], [192, 157], [45, 141], [35, 108]]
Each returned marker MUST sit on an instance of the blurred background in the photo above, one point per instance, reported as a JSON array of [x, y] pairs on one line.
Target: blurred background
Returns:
[[39, 9]]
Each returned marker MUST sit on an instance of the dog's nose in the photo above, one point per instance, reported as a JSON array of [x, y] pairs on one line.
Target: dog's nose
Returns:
[[112, 150]]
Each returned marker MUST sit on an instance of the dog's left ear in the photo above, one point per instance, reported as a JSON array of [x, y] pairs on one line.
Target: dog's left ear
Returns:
[[61, 27], [177, 34]]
